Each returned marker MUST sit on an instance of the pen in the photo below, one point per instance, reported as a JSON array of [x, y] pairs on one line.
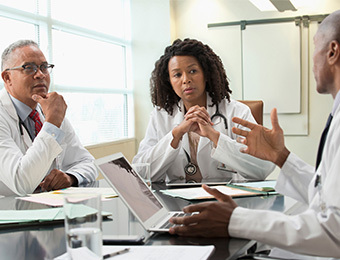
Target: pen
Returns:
[[116, 253]]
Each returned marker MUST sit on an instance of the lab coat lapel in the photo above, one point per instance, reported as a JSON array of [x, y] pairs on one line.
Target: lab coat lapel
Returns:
[[9, 107], [178, 118], [27, 138], [185, 143]]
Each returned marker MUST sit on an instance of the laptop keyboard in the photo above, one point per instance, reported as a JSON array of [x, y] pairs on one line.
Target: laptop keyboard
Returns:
[[168, 225]]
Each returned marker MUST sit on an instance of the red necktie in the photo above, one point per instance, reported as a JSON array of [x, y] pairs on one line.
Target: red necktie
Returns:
[[37, 123]]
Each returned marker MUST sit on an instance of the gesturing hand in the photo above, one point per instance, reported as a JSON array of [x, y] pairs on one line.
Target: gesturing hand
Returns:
[[261, 142]]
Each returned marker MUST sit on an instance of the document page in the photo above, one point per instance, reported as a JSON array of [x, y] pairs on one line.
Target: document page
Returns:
[[55, 198], [151, 252], [199, 193]]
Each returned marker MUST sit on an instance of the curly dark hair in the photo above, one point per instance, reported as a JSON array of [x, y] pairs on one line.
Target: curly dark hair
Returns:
[[217, 85]]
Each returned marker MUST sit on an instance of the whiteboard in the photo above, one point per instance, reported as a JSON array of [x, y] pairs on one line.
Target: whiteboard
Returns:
[[229, 49], [272, 66]]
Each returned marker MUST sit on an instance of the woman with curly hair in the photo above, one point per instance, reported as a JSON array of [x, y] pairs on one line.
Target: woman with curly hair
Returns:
[[189, 135]]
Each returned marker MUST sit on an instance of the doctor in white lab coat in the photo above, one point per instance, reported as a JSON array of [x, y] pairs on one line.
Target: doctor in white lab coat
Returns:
[[314, 232], [54, 158], [183, 134]]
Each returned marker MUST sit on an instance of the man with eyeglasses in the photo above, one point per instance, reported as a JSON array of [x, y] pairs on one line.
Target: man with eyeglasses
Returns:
[[39, 150]]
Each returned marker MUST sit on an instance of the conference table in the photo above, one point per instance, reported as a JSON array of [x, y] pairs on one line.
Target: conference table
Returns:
[[47, 241]]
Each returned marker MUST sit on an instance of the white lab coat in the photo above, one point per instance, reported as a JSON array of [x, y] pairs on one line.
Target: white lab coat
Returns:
[[23, 164], [166, 161], [310, 232]]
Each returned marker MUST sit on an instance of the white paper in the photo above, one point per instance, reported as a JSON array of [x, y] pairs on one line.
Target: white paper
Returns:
[[80, 253], [156, 252], [55, 198], [200, 193]]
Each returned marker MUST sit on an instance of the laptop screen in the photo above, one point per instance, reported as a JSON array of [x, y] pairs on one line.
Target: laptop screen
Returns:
[[131, 187]]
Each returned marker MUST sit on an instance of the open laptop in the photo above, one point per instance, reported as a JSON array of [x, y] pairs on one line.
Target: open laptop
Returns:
[[135, 193]]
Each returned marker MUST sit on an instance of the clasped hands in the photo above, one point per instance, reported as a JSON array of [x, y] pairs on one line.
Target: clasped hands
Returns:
[[195, 120]]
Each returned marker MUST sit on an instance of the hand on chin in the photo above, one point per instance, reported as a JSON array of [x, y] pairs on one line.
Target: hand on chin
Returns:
[[40, 92]]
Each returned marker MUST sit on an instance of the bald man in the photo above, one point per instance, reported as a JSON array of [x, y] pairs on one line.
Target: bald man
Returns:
[[39, 150], [315, 231]]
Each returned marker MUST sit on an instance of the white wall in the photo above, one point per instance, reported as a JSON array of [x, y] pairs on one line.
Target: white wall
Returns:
[[189, 19], [150, 36]]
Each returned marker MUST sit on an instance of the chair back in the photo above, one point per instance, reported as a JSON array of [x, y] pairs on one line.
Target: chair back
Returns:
[[256, 107]]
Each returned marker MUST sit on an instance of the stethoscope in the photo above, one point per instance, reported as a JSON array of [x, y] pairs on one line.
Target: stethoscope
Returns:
[[190, 168], [21, 124], [217, 113]]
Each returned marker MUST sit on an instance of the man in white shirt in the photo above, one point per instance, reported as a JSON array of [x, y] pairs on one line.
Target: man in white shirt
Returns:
[[314, 231], [39, 149]]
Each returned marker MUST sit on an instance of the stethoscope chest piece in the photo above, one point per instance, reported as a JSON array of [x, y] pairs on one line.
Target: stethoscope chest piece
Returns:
[[190, 169]]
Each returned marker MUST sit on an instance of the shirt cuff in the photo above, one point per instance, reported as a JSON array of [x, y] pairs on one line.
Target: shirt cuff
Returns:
[[80, 178], [239, 223], [54, 131]]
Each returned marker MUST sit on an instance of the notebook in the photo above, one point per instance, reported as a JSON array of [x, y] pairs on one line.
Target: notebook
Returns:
[[135, 193], [209, 181]]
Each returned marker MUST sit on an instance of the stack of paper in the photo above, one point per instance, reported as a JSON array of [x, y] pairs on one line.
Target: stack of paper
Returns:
[[27, 216], [13, 218], [267, 186], [200, 194], [235, 190], [55, 198]]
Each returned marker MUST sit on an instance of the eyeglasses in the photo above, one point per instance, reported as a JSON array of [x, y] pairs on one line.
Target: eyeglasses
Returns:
[[30, 69]]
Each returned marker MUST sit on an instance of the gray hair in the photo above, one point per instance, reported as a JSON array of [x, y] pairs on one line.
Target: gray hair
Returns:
[[18, 44]]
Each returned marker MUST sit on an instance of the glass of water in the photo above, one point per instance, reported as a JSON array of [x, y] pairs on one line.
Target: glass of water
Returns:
[[83, 225]]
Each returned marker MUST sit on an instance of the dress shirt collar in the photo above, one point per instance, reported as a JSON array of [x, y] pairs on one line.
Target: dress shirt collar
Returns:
[[22, 109], [336, 102]]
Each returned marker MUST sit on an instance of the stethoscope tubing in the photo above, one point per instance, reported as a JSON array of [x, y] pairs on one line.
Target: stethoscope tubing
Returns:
[[217, 113], [21, 124]]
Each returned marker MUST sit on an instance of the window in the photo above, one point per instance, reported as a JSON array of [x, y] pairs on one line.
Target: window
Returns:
[[89, 43]]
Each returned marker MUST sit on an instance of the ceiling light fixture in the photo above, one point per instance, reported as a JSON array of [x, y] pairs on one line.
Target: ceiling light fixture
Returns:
[[273, 5]]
